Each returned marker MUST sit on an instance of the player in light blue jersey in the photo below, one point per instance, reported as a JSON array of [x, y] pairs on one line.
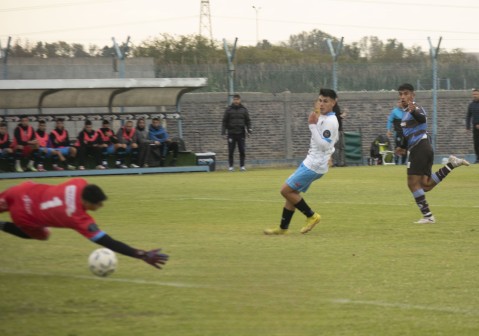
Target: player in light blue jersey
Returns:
[[421, 156], [323, 125]]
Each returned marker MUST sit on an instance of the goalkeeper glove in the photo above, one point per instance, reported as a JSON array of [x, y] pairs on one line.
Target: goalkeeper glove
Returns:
[[153, 257]]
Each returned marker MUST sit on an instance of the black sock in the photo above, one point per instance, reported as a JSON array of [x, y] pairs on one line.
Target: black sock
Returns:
[[442, 173], [304, 208], [18, 154], [286, 218], [13, 229], [421, 202]]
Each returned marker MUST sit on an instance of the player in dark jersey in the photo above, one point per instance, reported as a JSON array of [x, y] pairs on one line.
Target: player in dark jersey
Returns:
[[60, 140], [108, 141], [24, 144], [34, 207], [6, 152], [87, 144], [421, 156]]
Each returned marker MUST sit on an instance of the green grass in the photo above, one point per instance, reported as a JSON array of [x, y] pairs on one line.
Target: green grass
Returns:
[[365, 270]]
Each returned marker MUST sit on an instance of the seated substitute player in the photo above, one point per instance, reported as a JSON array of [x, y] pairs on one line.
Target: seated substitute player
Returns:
[[127, 144], [6, 152], [87, 144], [107, 142], [44, 150], [421, 155], [34, 207], [24, 144], [324, 126], [144, 142], [161, 138], [60, 140]]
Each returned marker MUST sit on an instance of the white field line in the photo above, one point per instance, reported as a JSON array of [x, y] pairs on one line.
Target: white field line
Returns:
[[108, 279], [215, 199], [406, 306]]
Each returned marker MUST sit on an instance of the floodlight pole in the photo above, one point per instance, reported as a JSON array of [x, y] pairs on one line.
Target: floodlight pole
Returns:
[[257, 9], [121, 55], [230, 55], [434, 53], [334, 55], [5, 53]]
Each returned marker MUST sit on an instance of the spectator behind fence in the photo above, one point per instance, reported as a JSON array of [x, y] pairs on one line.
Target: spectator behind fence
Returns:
[[24, 144], [108, 142], [162, 141], [6, 152], [45, 150], [473, 115], [60, 140], [88, 144], [144, 142], [127, 144]]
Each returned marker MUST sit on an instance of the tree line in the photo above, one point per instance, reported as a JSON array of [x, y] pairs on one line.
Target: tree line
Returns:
[[301, 64]]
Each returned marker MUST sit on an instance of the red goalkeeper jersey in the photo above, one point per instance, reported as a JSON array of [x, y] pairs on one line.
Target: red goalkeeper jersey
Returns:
[[33, 205]]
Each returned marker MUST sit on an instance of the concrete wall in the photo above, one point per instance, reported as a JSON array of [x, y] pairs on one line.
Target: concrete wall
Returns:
[[71, 68]]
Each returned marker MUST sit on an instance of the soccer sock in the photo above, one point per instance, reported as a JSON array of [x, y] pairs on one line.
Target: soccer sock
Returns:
[[18, 154], [304, 208], [13, 229], [421, 202], [442, 173], [134, 156], [286, 218]]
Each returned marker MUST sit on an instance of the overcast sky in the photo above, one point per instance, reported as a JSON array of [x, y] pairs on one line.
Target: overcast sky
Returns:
[[97, 21]]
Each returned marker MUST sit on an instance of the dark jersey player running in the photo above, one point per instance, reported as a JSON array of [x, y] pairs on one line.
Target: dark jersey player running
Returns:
[[421, 155], [34, 207]]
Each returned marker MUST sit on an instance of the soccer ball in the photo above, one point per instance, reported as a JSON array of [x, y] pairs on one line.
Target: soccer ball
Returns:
[[102, 262]]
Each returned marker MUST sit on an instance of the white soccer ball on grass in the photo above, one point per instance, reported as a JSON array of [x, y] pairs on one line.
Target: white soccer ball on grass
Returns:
[[102, 262]]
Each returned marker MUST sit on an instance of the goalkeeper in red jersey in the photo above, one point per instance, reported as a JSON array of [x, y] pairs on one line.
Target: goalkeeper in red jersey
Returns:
[[34, 207]]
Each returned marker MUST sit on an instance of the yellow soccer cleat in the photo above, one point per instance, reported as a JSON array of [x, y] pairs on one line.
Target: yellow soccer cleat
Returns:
[[276, 231], [311, 223]]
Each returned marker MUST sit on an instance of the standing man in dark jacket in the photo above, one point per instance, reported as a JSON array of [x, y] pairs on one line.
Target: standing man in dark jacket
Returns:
[[473, 114], [236, 123]]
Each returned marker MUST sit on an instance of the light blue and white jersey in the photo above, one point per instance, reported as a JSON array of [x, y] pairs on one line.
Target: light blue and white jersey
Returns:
[[324, 135]]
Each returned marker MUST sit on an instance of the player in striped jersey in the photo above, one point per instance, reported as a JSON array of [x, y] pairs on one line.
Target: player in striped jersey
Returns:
[[421, 156]]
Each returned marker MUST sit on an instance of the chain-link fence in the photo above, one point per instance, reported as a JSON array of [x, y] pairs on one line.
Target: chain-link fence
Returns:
[[310, 77]]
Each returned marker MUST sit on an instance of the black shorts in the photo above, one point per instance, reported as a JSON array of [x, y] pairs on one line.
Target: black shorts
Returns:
[[421, 158]]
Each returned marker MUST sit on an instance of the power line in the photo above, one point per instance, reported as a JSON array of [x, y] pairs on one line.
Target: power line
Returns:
[[58, 5], [394, 3], [352, 26]]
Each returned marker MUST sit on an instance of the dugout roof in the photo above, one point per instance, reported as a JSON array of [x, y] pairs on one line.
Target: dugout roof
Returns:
[[114, 92]]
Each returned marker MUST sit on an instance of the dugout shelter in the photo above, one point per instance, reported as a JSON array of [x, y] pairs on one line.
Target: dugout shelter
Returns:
[[111, 95]]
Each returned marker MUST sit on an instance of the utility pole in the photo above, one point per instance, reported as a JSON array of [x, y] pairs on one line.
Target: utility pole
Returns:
[[257, 9], [434, 53], [205, 20], [334, 55], [230, 55]]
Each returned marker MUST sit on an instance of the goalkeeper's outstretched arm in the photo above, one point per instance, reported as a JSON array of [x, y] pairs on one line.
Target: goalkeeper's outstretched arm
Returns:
[[153, 257]]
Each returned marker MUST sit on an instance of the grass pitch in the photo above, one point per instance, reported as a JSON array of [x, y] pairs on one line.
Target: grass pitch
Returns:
[[365, 270]]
